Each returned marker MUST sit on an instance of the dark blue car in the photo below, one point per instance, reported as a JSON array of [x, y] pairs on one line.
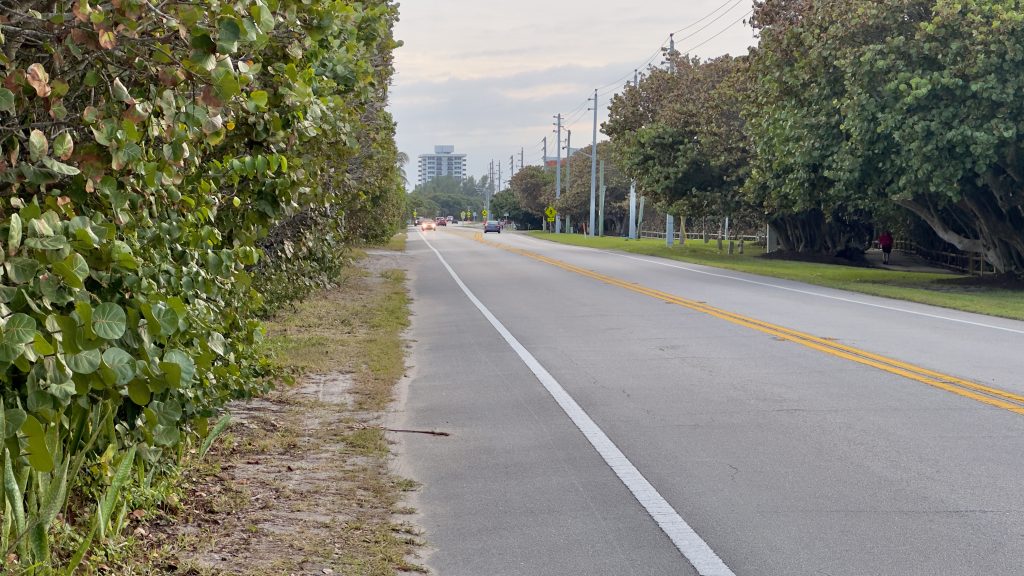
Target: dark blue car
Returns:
[[492, 226]]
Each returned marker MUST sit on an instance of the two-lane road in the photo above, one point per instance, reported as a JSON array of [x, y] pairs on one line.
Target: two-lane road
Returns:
[[612, 414]]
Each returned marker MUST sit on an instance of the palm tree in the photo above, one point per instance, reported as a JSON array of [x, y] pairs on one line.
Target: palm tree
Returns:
[[401, 158]]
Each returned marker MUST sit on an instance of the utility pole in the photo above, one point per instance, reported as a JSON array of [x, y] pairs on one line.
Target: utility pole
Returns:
[[568, 158], [670, 54], [490, 185], [558, 171], [670, 226], [600, 224], [593, 168], [568, 172], [632, 210], [632, 184], [499, 176], [521, 164], [544, 161]]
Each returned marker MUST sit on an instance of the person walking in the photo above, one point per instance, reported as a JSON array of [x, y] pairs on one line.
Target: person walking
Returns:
[[885, 243]]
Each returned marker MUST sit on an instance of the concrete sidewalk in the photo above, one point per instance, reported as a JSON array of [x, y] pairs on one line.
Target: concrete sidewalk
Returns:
[[905, 262]]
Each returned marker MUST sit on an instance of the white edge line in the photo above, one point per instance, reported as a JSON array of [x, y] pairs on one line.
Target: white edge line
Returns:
[[689, 543], [807, 292]]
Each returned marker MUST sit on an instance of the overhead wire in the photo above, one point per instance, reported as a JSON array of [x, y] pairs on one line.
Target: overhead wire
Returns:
[[706, 16], [579, 110], [716, 19], [723, 30]]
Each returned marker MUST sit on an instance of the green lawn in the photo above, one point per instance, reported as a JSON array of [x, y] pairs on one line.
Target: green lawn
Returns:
[[946, 290]]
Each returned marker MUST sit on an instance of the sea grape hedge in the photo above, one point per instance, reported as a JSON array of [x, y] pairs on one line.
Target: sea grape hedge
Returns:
[[169, 171]]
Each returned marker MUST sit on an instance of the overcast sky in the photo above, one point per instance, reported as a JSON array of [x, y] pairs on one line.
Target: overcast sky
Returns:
[[488, 76]]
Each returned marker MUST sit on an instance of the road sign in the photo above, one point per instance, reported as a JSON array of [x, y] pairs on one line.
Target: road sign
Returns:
[[483, 213], [550, 211]]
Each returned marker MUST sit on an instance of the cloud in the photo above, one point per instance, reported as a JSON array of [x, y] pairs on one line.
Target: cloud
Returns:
[[494, 117], [488, 77]]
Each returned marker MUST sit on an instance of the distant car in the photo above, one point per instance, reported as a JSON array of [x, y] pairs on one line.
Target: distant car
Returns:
[[428, 225], [492, 226], [450, 218], [442, 222]]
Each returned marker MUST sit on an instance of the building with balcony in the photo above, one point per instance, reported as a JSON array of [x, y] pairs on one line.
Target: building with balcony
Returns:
[[443, 162]]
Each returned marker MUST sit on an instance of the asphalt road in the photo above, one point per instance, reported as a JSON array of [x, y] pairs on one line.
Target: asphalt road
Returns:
[[639, 416]]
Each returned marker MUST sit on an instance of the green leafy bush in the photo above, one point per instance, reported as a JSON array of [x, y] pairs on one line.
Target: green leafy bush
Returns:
[[160, 162]]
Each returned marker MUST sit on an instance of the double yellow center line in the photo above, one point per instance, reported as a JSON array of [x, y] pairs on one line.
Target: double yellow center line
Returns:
[[973, 390]]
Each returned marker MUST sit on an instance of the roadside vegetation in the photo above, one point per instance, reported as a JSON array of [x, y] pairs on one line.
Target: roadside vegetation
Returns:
[[850, 118], [172, 173], [300, 482], [991, 296]]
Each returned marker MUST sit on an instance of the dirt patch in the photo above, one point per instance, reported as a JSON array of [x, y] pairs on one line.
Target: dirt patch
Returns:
[[300, 483]]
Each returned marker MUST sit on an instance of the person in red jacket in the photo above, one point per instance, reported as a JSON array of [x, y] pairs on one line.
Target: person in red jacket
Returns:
[[885, 243]]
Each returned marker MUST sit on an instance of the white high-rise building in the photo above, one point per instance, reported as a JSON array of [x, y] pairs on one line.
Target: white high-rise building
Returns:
[[443, 162]]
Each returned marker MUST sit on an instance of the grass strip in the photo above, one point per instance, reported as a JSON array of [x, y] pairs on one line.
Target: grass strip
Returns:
[[300, 482], [979, 295]]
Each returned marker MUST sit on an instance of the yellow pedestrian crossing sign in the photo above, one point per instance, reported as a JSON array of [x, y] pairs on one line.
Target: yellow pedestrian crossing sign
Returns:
[[484, 214]]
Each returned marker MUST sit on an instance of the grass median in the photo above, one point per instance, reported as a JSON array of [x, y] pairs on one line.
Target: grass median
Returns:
[[991, 296]]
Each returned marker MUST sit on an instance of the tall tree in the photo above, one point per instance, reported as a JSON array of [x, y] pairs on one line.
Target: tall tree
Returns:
[[933, 117], [575, 200], [533, 186], [796, 130], [681, 135], [867, 104]]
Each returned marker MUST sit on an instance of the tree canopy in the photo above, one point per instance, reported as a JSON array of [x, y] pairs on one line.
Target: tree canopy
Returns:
[[860, 106], [846, 114]]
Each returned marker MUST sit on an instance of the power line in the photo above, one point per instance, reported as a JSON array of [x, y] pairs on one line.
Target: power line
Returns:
[[723, 30], [716, 19], [653, 56], [703, 18], [578, 111], [730, 3]]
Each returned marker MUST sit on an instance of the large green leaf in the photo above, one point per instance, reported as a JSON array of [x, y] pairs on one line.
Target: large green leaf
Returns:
[[68, 274], [39, 456], [6, 100], [42, 345], [166, 435], [122, 364], [19, 329], [47, 243], [228, 34], [85, 362], [172, 374], [165, 317], [66, 328], [108, 321], [21, 270], [13, 419], [37, 145], [60, 168], [139, 392], [63, 145]]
